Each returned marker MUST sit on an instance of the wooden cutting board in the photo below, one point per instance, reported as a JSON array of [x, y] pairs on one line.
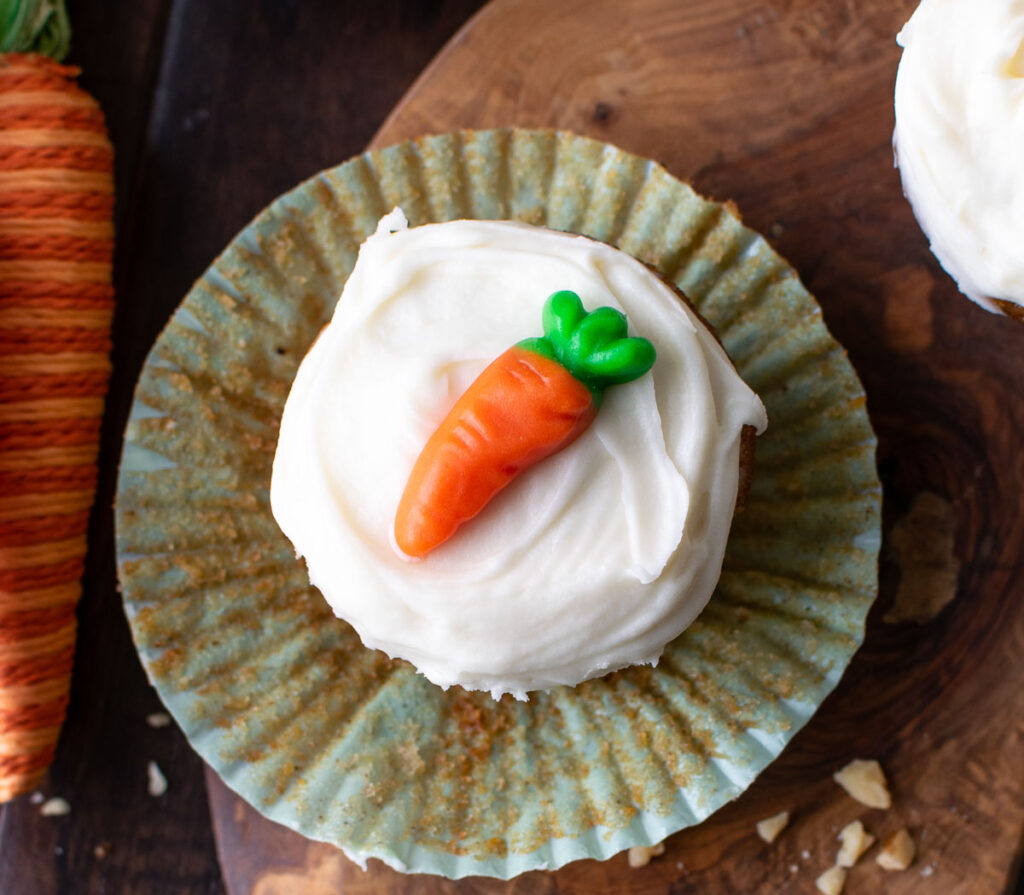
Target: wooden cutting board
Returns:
[[784, 107]]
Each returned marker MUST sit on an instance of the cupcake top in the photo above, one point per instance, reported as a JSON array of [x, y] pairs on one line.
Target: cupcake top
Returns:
[[960, 140], [590, 561]]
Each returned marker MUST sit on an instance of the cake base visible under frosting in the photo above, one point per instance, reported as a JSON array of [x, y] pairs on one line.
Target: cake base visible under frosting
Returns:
[[590, 561], [960, 140]]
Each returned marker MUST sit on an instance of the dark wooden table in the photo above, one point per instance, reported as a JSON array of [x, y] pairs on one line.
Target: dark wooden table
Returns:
[[216, 108]]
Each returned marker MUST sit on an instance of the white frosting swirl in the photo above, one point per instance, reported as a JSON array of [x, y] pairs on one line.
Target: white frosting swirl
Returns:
[[590, 561], [960, 139]]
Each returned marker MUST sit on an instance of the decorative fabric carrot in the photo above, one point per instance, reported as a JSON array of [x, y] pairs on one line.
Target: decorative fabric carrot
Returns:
[[532, 401], [56, 302]]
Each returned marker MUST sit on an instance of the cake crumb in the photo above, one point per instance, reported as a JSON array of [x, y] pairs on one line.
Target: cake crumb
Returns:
[[925, 544], [640, 855], [158, 719], [927, 870], [805, 854], [831, 882], [897, 851], [55, 807], [101, 850], [865, 782], [411, 762], [157, 781], [794, 868], [769, 828], [37, 798], [855, 840]]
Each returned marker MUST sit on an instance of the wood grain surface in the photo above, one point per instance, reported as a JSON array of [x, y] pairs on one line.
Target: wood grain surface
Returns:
[[784, 107]]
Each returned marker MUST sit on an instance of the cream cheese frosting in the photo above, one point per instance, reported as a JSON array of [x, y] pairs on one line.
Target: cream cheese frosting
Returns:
[[959, 139], [590, 561]]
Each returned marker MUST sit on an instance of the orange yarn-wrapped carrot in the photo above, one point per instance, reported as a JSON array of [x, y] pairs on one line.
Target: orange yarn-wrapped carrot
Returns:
[[56, 301]]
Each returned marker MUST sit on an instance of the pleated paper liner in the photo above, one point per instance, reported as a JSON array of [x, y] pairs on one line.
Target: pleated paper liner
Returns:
[[347, 746]]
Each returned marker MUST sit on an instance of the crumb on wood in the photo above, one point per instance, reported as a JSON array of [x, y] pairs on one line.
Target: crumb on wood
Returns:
[[854, 841], [55, 807], [865, 782], [924, 542], [37, 798], [769, 828], [158, 719], [640, 855], [101, 850], [831, 882], [157, 782], [897, 852]]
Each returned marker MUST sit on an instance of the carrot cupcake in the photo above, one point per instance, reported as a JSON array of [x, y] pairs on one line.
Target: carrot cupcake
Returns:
[[592, 560], [347, 745], [959, 138]]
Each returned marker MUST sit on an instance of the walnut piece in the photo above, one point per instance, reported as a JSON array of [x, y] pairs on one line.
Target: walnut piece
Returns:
[[769, 828], [897, 852], [640, 855], [855, 841], [831, 882], [865, 781]]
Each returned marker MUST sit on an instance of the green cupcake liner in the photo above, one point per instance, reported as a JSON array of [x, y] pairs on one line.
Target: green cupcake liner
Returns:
[[349, 747]]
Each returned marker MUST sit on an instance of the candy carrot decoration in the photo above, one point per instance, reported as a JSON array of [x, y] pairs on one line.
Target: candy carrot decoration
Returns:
[[532, 401]]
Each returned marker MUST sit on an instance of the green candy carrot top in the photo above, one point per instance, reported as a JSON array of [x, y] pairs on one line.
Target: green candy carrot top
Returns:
[[530, 402]]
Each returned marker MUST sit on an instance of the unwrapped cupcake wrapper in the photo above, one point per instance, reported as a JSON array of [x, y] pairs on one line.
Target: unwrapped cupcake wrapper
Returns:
[[350, 747]]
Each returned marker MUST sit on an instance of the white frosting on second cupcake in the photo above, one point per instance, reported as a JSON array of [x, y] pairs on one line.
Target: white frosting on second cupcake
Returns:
[[960, 139], [590, 561]]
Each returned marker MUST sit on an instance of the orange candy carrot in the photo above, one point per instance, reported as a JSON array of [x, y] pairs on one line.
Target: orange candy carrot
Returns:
[[532, 401]]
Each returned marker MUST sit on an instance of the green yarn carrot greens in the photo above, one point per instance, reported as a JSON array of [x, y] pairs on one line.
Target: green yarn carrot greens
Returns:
[[35, 26], [533, 400]]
